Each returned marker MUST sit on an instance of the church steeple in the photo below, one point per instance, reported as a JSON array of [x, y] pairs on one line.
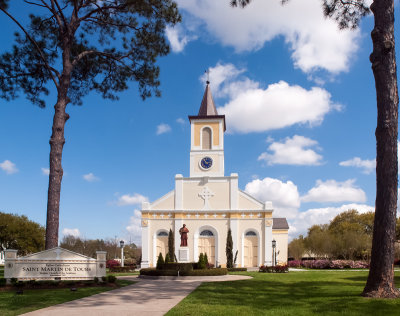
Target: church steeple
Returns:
[[207, 139], [207, 106]]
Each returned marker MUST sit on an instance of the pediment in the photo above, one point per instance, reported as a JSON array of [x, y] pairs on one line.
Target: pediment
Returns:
[[56, 253]]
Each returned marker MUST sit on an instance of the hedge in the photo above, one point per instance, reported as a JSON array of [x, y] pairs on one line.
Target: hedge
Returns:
[[177, 266], [122, 269], [205, 272], [274, 269], [329, 264], [237, 269], [208, 272]]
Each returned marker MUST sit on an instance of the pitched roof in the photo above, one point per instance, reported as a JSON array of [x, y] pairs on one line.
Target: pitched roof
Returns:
[[280, 223], [207, 106]]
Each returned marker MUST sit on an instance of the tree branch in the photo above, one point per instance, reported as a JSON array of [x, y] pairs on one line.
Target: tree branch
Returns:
[[94, 52], [47, 66]]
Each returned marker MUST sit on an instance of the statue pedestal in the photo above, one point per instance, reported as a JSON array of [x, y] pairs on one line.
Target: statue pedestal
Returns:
[[183, 254]]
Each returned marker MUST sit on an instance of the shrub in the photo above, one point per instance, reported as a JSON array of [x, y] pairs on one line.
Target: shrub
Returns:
[[206, 259], [176, 266], [229, 250], [111, 279], [237, 269], [96, 280], [167, 258], [205, 272], [274, 269], [112, 263], [294, 264], [334, 264], [122, 269], [104, 278], [210, 266], [14, 281], [160, 261], [2, 282], [155, 272], [201, 264]]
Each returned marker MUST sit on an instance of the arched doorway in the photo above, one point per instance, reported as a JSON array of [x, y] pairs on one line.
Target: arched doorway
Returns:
[[250, 249], [162, 243], [207, 245]]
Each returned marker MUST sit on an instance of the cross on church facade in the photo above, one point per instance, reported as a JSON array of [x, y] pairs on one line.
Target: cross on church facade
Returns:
[[206, 194]]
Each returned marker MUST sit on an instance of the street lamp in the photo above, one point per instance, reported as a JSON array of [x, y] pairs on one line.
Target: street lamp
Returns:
[[121, 243], [274, 252]]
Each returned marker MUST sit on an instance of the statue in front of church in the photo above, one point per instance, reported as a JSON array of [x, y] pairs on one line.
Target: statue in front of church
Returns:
[[184, 235]]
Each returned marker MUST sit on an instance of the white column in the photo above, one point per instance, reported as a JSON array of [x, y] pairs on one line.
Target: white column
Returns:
[[196, 247], [154, 250], [234, 191], [178, 192], [234, 225], [268, 242], [145, 244]]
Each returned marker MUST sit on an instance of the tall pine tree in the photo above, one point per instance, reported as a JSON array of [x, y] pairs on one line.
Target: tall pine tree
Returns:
[[348, 14], [80, 46]]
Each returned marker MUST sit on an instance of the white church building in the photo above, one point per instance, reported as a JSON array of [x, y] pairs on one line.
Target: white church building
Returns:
[[210, 203]]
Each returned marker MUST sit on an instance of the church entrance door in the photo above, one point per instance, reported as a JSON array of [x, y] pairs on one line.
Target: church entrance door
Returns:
[[207, 245], [250, 251], [162, 245]]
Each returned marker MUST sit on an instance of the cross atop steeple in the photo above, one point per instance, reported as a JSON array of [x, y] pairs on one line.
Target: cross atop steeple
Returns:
[[208, 76]]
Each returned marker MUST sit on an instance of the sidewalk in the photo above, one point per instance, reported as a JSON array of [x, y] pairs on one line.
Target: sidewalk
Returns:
[[146, 297]]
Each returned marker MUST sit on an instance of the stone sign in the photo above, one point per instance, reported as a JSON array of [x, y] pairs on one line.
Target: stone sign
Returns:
[[54, 264]]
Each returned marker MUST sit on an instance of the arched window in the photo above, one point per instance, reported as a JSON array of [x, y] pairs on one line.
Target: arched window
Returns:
[[206, 233], [206, 138], [251, 233], [162, 234]]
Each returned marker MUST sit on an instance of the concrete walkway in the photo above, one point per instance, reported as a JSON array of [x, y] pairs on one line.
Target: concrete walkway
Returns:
[[146, 297]]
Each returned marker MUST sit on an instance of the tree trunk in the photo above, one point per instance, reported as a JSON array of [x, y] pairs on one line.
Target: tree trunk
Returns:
[[380, 281], [57, 142]]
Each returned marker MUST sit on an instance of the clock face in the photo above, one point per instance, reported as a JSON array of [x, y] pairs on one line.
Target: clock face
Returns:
[[206, 162]]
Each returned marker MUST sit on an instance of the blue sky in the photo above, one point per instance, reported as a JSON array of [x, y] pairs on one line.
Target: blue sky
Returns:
[[299, 100]]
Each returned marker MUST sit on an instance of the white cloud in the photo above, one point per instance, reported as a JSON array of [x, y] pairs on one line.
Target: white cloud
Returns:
[[334, 191], [8, 166], [367, 165], [223, 73], [315, 41], [133, 199], [317, 216], [163, 128], [45, 171], [90, 177], [177, 39], [293, 151], [280, 105], [284, 195], [180, 121], [71, 231], [134, 227]]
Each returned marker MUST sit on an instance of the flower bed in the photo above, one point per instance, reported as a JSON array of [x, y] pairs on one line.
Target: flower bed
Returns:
[[274, 269], [328, 264]]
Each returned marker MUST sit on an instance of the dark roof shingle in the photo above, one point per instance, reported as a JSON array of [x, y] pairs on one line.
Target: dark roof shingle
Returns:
[[280, 223]]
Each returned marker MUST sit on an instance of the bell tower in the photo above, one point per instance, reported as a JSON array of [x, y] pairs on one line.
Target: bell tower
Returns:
[[207, 139]]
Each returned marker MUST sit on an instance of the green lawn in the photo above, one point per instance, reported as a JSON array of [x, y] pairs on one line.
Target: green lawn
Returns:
[[13, 304], [294, 293]]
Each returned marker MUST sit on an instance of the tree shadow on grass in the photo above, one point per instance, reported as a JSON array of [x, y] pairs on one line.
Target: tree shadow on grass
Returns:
[[263, 296]]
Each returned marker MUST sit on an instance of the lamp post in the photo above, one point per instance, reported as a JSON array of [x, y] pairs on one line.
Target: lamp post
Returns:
[[274, 252], [121, 243]]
